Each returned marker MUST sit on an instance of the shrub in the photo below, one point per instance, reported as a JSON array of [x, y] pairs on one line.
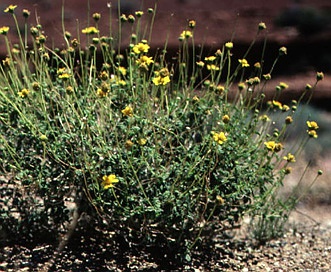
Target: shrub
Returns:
[[161, 153]]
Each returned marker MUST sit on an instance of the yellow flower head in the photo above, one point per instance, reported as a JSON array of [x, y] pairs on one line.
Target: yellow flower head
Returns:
[[26, 13], [283, 85], [6, 62], [161, 77], [264, 118], [158, 80], [192, 24], [108, 181], [312, 125], [186, 34], [101, 93], [290, 157], [244, 63], [319, 76], [104, 75], [277, 104], [273, 146], [282, 51], [288, 120], [23, 93], [142, 141], [144, 60], [200, 63], [139, 13], [212, 67], [241, 86], [96, 16], [220, 200], [262, 26], [140, 48], [64, 76], [210, 58], [267, 76], [10, 8], [285, 108], [220, 138], [122, 70], [226, 118], [90, 30], [312, 133], [4, 30], [128, 111], [229, 45], [288, 170], [128, 144]]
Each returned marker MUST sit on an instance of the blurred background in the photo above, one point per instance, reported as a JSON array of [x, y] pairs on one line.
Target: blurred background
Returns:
[[303, 26]]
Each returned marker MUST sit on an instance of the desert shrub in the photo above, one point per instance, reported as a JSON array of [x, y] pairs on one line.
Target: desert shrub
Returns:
[[159, 152]]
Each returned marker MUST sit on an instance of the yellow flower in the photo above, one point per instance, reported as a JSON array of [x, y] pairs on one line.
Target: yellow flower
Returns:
[[220, 88], [220, 138], [288, 120], [186, 34], [96, 16], [319, 76], [121, 82], [101, 93], [285, 108], [241, 86], [108, 181], [142, 141], [312, 133], [264, 118], [6, 62], [290, 157], [140, 48], [61, 71], [283, 85], [212, 67], [64, 76], [253, 81], [23, 93], [220, 200], [4, 30], [229, 45], [200, 63], [273, 146], [277, 104], [144, 60], [90, 30], [244, 63], [26, 13], [122, 70], [161, 80], [128, 144], [226, 118], [267, 76], [262, 26], [210, 58], [127, 111], [288, 170], [257, 65], [195, 98], [104, 75], [139, 13], [312, 125], [10, 8], [192, 24]]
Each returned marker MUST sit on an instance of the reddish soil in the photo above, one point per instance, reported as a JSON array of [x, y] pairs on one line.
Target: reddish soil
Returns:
[[217, 23]]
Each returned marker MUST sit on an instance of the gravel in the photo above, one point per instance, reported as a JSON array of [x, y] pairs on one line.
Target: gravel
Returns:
[[306, 246]]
